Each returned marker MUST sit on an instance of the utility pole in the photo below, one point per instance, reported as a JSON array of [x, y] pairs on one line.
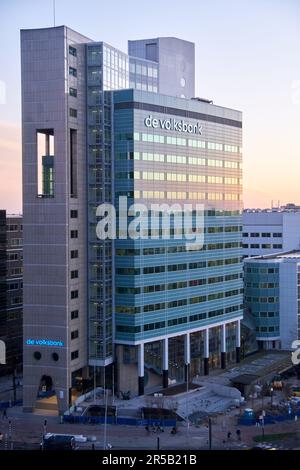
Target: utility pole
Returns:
[[187, 399], [113, 384], [209, 434], [14, 384], [105, 420], [10, 435], [94, 383]]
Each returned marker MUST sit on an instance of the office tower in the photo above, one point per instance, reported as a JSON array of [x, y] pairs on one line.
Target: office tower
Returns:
[[176, 307], [89, 307], [176, 59]]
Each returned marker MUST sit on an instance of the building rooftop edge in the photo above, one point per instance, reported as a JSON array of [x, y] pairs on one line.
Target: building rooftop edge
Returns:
[[184, 100], [284, 255]]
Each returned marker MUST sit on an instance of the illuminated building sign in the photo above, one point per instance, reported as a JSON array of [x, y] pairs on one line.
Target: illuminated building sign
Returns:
[[44, 342], [173, 124]]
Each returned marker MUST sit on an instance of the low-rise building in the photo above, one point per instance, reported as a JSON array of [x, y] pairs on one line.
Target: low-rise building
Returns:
[[272, 298]]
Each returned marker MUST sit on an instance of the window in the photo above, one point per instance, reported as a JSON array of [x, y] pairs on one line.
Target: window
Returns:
[[73, 112], [198, 265], [254, 245], [55, 357], [266, 246], [16, 242], [37, 355], [245, 234], [74, 294], [154, 269], [72, 71], [277, 235], [154, 326], [74, 274], [74, 254], [74, 233], [277, 245], [74, 334], [255, 234], [14, 286], [12, 228], [73, 92], [73, 214], [198, 299], [74, 314], [266, 234], [12, 256], [74, 355], [72, 51]]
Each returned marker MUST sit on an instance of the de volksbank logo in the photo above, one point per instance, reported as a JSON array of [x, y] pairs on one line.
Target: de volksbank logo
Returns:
[[173, 124], [44, 342]]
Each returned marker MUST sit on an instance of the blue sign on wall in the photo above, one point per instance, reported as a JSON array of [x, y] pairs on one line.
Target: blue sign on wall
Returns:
[[44, 342]]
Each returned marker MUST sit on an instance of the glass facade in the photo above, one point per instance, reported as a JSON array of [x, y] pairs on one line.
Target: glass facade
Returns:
[[262, 298], [107, 69], [162, 288]]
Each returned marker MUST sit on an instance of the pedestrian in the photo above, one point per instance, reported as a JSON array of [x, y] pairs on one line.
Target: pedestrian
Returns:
[[238, 433], [228, 435], [4, 414]]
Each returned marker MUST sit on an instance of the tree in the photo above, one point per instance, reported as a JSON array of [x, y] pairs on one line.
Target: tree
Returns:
[[287, 390]]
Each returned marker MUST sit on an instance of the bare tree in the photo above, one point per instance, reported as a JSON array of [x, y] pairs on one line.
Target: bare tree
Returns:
[[287, 390]]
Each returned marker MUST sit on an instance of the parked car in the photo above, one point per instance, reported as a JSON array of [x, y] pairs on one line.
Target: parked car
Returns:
[[58, 442]]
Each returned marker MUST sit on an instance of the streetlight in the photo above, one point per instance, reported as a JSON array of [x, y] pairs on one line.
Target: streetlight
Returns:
[[271, 391], [187, 398]]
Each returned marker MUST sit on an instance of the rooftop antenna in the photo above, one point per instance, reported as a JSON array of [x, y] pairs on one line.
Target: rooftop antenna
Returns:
[[54, 12]]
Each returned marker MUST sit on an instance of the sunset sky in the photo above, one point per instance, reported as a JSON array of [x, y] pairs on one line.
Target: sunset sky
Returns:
[[247, 57]]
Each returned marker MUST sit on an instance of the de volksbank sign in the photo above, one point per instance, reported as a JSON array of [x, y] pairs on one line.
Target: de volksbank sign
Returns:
[[173, 124]]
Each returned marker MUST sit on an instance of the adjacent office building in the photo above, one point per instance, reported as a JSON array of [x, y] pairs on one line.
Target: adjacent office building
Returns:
[[271, 230], [2, 277], [11, 289], [135, 312], [272, 287], [14, 294]]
